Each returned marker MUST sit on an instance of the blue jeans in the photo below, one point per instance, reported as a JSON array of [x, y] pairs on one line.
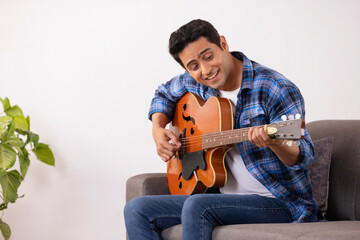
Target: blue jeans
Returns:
[[147, 216]]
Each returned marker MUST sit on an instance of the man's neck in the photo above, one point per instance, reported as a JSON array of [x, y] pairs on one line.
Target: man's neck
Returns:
[[235, 77]]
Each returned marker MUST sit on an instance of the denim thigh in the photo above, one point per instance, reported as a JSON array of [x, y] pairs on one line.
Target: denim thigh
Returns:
[[147, 216], [202, 212]]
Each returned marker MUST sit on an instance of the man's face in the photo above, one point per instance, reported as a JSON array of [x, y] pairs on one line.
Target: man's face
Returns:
[[207, 63]]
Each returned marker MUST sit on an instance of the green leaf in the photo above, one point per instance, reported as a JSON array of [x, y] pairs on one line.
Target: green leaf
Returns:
[[14, 111], [5, 230], [14, 142], [24, 161], [44, 154], [6, 103], [21, 123], [10, 182], [34, 138], [7, 156], [5, 121], [10, 130]]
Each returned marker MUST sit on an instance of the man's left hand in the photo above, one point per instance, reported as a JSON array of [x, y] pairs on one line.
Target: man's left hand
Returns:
[[258, 137]]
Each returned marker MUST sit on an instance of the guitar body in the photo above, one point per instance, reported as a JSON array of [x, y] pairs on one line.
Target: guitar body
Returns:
[[193, 118]]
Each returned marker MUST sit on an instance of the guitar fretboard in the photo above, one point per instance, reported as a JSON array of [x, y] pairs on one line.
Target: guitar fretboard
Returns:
[[211, 140], [291, 129]]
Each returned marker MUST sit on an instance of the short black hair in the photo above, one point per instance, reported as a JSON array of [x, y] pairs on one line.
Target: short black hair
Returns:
[[190, 32]]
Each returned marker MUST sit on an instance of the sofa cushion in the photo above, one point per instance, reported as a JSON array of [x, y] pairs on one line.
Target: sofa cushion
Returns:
[[278, 231], [319, 171], [344, 190]]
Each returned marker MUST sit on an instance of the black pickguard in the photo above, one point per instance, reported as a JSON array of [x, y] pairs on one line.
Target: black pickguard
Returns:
[[192, 161]]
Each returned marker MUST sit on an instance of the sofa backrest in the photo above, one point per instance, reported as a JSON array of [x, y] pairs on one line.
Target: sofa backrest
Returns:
[[344, 180]]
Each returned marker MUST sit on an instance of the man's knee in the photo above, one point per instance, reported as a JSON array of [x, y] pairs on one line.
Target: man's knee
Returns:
[[193, 205], [133, 208]]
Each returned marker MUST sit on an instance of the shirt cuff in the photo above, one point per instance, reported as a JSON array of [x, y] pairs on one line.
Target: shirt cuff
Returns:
[[306, 155], [162, 106]]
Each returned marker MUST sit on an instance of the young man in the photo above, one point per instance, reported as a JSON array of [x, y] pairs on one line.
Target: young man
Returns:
[[267, 180]]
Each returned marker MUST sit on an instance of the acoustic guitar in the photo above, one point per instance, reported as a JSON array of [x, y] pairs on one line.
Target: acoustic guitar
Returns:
[[205, 130]]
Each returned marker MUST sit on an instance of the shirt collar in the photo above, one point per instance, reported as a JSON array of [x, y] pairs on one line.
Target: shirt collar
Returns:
[[248, 71]]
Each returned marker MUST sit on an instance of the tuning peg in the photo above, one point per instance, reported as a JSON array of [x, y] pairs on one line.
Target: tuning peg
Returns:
[[289, 143], [298, 116], [297, 143], [283, 117], [291, 117]]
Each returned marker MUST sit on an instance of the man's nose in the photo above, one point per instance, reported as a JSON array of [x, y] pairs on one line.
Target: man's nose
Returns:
[[205, 69]]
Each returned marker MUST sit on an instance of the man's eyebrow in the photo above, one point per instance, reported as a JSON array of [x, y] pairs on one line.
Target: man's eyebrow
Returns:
[[199, 55], [203, 51]]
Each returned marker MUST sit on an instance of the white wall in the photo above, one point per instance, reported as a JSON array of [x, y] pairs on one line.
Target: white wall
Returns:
[[86, 70]]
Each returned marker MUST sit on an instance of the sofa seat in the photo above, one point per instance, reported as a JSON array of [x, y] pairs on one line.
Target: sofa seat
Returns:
[[300, 231]]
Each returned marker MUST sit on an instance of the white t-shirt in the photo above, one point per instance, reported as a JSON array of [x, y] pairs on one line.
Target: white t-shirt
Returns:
[[239, 180]]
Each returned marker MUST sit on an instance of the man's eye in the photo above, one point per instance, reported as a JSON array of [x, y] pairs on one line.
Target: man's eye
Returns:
[[194, 67], [208, 57]]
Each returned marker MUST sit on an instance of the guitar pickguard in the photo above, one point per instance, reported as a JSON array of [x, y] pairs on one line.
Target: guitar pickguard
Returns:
[[192, 161]]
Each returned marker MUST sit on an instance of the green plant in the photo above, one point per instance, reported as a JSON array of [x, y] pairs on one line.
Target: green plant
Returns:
[[16, 142]]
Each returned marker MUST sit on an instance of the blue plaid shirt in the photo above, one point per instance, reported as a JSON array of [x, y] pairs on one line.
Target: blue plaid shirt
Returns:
[[265, 96]]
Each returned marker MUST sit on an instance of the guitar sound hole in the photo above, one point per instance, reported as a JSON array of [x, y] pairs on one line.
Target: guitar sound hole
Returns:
[[189, 118], [180, 183], [184, 107], [192, 131]]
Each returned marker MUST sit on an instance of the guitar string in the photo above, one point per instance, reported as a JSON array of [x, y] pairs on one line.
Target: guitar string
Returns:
[[228, 132], [218, 136], [222, 142], [223, 136]]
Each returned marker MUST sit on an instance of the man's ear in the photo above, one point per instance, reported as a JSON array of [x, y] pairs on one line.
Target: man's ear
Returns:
[[223, 43]]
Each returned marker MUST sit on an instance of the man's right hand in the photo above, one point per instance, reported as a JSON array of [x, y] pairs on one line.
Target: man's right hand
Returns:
[[167, 143]]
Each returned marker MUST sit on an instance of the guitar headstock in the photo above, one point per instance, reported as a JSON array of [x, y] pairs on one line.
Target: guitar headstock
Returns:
[[290, 129]]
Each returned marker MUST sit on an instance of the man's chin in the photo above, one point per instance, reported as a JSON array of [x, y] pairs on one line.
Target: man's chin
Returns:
[[211, 83]]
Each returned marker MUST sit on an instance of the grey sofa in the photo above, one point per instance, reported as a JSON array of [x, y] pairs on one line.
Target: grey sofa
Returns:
[[343, 213]]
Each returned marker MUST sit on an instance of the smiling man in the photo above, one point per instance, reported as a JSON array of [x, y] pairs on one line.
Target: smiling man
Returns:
[[267, 180], [211, 65]]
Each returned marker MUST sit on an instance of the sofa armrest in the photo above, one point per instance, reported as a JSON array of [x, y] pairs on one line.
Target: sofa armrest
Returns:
[[146, 184]]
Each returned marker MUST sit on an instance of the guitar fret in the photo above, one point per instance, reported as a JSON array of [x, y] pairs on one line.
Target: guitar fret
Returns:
[[211, 140]]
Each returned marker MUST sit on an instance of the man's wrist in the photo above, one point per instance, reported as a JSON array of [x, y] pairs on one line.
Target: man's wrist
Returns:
[[159, 120]]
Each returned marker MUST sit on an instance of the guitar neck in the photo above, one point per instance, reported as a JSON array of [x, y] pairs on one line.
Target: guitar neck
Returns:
[[291, 129], [217, 139]]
